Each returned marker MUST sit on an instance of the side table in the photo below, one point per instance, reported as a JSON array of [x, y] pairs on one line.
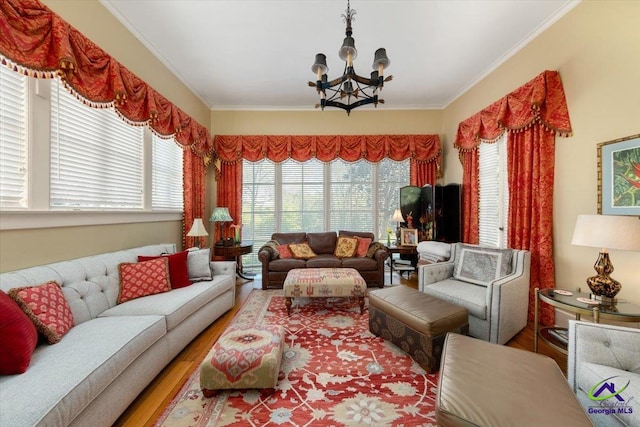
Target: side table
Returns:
[[236, 251], [403, 250], [621, 311]]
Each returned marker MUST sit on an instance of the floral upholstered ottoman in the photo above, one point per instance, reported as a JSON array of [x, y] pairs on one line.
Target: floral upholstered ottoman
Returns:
[[243, 358], [324, 282]]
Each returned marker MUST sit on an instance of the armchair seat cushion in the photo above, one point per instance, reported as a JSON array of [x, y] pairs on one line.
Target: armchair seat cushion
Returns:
[[467, 295]]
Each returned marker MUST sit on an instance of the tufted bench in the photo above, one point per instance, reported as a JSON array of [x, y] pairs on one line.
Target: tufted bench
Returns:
[[243, 358], [415, 322]]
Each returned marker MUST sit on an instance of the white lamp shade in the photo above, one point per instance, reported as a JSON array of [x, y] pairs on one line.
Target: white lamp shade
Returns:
[[397, 216], [607, 232], [197, 229]]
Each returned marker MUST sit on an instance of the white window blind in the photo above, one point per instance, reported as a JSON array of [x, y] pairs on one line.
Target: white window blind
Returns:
[[258, 205], [96, 158], [391, 176], [302, 196], [351, 200], [166, 175], [13, 140], [494, 193]]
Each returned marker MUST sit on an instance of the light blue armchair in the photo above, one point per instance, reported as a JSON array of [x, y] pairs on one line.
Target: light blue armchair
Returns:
[[492, 284], [604, 372]]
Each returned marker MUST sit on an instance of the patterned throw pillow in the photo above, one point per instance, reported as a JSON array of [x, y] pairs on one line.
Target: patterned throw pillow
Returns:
[[47, 308], [301, 251], [363, 246], [19, 337], [481, 265], [139, 279], [346, 247], [373, 248], [284, 251], [178, 273]]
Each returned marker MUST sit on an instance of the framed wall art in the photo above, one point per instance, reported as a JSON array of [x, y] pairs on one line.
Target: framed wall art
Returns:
[[619, 176], [408, 237]]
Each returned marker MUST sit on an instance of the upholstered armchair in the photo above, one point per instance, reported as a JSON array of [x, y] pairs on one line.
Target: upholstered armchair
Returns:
[[604, 360], [492, 284]]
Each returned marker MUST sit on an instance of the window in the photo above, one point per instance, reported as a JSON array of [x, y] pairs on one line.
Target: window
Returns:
[[166, 175], [315, 196], [13, 140], [494, 193]]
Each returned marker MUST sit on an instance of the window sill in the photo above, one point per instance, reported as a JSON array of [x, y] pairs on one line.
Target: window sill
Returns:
[[17, 220]]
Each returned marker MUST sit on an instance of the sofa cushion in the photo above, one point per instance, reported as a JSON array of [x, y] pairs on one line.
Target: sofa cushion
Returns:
[[301, 250], [360, 263], [322, 243], [286, 264], [481, 265], [178, 272], [324, 261], [467, 295], [46, 307], [19, 337], [91, 356], [286, 238], [346, 247], [198, 266], [139, 279]]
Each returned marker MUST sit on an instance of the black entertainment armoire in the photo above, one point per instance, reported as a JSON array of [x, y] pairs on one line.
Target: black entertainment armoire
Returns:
[[435, 211]]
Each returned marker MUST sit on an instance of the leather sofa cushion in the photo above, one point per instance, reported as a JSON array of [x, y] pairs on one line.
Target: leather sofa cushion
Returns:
[[364, 234], [286, 264], [322, 243], [360, 263], [324, 261], [286, 238]]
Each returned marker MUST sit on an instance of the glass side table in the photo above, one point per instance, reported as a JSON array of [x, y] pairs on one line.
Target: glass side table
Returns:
[[620, 311]]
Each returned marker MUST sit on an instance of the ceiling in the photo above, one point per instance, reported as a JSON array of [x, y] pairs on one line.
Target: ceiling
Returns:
[[257, 54]]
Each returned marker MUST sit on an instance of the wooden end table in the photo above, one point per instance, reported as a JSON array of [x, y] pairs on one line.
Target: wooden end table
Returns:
[[235, 252], [403, 250]]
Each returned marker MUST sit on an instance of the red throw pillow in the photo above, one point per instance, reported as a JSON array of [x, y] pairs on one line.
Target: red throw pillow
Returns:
[[19, 337], [363, 245], [47, 308], [178, 271], [284, 251], [139, 279]]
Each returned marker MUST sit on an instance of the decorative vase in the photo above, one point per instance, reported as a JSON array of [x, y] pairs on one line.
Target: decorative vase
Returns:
[[237, 234]]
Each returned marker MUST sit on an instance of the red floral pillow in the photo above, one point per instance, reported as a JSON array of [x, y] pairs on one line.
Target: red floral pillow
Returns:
[[139, 279], [178, 272], [363, 246], [19, 337], [284, 251], [47, 308]]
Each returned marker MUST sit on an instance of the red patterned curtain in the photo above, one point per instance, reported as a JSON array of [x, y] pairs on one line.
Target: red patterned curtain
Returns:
[[423, 150], [533, 115], [36, 41]]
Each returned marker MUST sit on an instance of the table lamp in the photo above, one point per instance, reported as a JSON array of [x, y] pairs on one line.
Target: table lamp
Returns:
[[197, 230], [397, 218], [606, 232], [220, 215]]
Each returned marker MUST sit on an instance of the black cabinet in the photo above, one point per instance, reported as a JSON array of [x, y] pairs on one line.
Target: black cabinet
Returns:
[[435, 211]]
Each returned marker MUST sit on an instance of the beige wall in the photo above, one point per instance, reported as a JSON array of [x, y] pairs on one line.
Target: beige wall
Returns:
[[24, 248], [596, 49]]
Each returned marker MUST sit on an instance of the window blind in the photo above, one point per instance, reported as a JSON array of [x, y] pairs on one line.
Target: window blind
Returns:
[[13, 139], [391, 176], [351, 196], [96, 158], [494, 195], [302, 196], [258, 205], [166, 175]]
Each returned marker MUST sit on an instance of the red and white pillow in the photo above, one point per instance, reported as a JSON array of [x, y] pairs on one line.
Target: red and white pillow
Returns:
[[363, 246], [178, 271], [139, 279], [47, 308], [19, 337]]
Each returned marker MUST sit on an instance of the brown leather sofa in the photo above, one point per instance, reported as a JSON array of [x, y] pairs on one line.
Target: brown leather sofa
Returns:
[[274, 271]]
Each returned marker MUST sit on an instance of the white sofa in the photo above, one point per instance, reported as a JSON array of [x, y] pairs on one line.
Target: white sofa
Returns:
[[497, 308], [114, 351]]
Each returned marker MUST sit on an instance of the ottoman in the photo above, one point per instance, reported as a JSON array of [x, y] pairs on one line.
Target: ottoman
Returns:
[[243, 358], [415, 322], [324, 282]]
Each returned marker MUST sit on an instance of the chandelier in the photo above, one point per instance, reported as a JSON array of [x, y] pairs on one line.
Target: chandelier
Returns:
[[350, 90]]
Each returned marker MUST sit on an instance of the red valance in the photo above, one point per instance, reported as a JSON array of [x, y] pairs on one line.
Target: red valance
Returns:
[[38, 42], [374, 148], [540, 100]]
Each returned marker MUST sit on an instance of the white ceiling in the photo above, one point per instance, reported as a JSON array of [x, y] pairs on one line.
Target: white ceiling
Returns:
[[257, 54]]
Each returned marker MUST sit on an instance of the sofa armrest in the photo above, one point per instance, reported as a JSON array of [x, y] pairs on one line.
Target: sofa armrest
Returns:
[[380, 255], [223, 267], [432, 273], [264, 256]]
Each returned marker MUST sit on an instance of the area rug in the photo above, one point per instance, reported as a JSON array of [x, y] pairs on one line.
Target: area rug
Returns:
[[334, 373]]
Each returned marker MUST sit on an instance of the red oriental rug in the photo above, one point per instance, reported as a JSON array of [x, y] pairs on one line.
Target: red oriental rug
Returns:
[[334, 372]]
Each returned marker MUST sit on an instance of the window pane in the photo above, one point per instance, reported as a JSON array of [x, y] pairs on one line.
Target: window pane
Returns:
[[258, 206], [166, 175], [391, 176], [302, 196], [351, 200], [96, 158], [13, 139], [494, 195]]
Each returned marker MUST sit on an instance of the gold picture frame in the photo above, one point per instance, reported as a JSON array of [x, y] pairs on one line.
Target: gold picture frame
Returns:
[[619, 176], [408, 237]]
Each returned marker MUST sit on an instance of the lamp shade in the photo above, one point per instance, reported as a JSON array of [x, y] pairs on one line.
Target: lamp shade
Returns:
[[397, 216], [220, 215], [197, 229], [607, 232]]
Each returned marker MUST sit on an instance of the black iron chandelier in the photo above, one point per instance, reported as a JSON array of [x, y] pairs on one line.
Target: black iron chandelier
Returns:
[[350, 90]]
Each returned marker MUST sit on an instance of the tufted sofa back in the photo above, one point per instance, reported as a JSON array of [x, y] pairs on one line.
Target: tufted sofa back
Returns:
[[90, 284]]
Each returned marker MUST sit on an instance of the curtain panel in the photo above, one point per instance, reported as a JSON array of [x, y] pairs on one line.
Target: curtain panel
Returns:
[[533, 115], [37, 42]]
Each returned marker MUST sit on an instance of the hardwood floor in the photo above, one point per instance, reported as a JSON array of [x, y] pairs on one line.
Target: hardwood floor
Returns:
[[146, 409]]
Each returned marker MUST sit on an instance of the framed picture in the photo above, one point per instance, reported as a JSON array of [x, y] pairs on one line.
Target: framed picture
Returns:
[[619, 176], [408, 237]]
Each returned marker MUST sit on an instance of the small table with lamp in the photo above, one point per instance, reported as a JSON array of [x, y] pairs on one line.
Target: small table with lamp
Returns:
[[236, 251]]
